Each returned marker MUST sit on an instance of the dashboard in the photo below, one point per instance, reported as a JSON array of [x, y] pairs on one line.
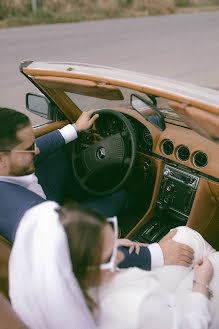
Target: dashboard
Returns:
[[180, 182], [178, 145]]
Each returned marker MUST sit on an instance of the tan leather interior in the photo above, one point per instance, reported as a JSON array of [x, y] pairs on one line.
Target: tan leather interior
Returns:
[[45, 129], [5, 250], [214, 187], [208, 121], [195, 143], [203, 122], [204, 216], [9, 319]]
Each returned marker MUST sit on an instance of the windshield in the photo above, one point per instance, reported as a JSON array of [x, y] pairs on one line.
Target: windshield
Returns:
[[86, 103]]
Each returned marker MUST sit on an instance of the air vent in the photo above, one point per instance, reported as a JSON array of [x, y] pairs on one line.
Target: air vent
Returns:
[[183, 153], [200, 159], [167, 147]]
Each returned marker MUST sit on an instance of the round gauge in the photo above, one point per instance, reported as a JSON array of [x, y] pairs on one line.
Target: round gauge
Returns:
[[183, 153], [200, 159], [167, 147]]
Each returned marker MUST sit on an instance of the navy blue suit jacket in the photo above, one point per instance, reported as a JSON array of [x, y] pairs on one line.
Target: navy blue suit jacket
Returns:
[[15, 200], [53, 167]]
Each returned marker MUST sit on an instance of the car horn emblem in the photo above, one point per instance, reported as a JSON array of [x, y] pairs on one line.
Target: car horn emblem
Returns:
[[101, 153]]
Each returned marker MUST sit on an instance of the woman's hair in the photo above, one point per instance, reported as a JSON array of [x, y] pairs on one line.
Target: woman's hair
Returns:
[[84, 230]]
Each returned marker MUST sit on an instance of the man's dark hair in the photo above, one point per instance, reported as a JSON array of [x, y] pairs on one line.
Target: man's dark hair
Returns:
[[10, 122]]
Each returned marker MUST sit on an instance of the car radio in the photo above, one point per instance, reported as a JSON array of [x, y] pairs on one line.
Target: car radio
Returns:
[[177, 191], [173, 206]]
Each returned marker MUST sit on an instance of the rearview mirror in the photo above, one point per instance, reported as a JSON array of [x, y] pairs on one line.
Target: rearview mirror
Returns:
[[41, 106], [148, 110]]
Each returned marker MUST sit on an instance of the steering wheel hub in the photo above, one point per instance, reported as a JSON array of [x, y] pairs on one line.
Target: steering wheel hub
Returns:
[[101, 153]]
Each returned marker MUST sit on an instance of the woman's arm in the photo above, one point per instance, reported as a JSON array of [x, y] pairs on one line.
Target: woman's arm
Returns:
[[165, 310], [160, 309]]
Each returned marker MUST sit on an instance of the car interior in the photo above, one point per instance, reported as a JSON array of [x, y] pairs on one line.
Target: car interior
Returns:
[[155, 137]]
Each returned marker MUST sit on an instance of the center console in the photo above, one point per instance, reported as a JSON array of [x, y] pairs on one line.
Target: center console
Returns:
[[173, 205]]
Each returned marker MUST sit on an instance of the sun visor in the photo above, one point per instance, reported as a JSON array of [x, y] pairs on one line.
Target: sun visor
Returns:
[[81, 87], [203, 122]]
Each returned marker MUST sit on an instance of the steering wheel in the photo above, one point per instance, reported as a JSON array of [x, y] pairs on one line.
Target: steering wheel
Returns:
[[102, 166]]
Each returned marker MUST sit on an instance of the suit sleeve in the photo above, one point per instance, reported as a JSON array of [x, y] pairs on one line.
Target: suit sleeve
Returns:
[[142, 260], [53, 167], [48, 144]]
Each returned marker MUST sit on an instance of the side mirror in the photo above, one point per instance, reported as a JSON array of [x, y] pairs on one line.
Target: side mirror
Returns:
[[148, 110], [41, 106]]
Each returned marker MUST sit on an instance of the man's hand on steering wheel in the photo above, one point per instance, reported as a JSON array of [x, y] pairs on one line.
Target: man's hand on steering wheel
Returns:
[[103, 167], [86, 120]]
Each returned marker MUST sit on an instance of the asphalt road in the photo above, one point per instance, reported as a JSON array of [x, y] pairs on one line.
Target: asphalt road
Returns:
[[184, 47]]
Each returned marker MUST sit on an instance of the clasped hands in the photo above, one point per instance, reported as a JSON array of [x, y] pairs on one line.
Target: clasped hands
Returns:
[[174, 253]]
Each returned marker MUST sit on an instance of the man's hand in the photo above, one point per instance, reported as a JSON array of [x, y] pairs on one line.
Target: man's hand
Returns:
[[85, 121], [131, 244], [175, 253]]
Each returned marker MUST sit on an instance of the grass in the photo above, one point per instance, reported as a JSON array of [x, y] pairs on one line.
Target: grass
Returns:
[[48, 16], [191, 9]]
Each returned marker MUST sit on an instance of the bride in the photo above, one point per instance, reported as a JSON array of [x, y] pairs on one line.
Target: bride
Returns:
[[77, 247]]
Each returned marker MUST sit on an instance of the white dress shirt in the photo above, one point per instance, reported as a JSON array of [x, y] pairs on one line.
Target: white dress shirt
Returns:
[[31, 183]]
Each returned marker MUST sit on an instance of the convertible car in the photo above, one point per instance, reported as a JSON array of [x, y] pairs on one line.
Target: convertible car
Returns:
[[155, 137]]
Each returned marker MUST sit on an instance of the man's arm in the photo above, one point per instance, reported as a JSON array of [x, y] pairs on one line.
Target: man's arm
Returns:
[[166, 252], [84, 122], [53, 165], [52, 141], [141, 260]]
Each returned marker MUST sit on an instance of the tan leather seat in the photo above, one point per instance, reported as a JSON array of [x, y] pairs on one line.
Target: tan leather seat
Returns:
[[9, 319], [5, 249]]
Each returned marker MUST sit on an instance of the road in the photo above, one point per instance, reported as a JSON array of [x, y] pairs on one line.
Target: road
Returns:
[[184, 47]]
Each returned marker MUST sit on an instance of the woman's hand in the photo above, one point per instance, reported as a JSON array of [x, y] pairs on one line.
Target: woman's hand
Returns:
[[203, 271], [131, 244]]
